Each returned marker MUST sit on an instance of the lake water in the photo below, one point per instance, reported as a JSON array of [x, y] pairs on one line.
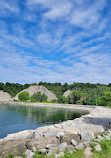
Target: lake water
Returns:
[[17, 118]]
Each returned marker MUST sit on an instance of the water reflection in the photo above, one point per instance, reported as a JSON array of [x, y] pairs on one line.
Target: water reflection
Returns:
[[16, 118]]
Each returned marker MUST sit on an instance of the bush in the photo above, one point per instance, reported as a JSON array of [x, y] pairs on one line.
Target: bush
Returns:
[[38, 97], [24, 96]]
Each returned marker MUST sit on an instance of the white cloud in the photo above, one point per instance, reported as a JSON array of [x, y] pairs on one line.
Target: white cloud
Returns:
[[7, 7]]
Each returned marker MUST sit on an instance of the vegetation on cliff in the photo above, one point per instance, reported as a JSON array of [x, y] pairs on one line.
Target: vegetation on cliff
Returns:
[[82, 93]]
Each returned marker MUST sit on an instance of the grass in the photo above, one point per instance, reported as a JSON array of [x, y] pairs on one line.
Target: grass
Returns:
[[106, 150], [76, 154]]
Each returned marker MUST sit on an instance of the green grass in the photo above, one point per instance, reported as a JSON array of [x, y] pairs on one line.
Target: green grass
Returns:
[[76, 154], [106, 150]]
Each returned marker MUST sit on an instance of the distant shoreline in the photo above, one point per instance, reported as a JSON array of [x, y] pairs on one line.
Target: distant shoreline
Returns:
[[88, 108]]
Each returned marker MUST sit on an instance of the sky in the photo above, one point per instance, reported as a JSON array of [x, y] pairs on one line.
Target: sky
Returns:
[[55, 41]]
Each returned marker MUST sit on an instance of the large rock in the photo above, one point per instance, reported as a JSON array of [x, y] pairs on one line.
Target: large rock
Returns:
[[68, 137], [13, 147], [35, 89], [88, 152], [27, 134], [86, 136], [4, 96], [63, 146], [40, 143]]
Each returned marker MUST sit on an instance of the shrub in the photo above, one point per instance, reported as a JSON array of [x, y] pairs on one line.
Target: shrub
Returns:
[[24, 96]]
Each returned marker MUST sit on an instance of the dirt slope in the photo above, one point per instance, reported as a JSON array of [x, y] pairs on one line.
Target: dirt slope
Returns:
[[35, 89]]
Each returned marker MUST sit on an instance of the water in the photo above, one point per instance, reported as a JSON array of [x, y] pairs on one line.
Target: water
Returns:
[[17, 118]]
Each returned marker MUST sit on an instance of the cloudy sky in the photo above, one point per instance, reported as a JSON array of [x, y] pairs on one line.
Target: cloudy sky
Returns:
[[55, 41]]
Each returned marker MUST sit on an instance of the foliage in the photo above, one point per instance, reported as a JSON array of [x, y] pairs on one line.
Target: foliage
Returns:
[[38, 97], [24, 96], [75, 154], [89, 92], [105, 100], [106, 150]]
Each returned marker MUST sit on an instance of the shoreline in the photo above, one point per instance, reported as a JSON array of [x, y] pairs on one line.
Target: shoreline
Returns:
[[79, 131], [88, 108]]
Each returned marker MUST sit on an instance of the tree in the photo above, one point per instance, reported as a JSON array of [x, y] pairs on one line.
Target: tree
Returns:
[[24, 96], [75, 97], [44, 97], [36, 96]]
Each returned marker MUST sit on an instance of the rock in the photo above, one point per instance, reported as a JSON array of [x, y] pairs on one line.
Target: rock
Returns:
[[63, 146], [48, 146], [27, 134], [59, 155], [87, 136], [73, 142], [29, 153], [97, 147], [14, 147], [54, 149], [57, 126], [43, 151], [49, 133], [88, 152], [67, 137], [70, 148], [79, 146], [59, 134], [40, 143]]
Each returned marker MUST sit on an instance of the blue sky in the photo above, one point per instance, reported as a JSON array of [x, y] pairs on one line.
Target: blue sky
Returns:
[[55, 41]]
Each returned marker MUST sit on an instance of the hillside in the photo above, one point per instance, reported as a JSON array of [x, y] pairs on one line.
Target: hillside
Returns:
[[4, 96], [34, 89]]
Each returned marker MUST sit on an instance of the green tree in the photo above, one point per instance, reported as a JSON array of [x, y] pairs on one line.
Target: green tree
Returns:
[[105, 100], [76, 97], [44, 97], [24, 96]]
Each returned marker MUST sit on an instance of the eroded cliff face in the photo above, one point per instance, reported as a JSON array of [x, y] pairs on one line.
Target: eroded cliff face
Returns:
[[35, 89], [4, 96]]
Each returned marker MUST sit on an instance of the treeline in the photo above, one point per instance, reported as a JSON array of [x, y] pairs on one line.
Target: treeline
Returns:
[[81, 93]]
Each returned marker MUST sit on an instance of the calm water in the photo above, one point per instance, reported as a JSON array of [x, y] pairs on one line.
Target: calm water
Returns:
[[17, 118]]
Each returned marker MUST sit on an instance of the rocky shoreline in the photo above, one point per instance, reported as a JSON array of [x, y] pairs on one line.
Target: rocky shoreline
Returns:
[[68, 135], [87, 108]]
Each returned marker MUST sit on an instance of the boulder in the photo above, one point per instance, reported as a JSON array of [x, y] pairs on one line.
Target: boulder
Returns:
[[73, 142], [14, 147], [29, 153], [86, 136], [70, 148], [63, 146], [40, 143], [27, 134], [98, 147], [67, 137], [59, 134], [79, 146], [88, 152]]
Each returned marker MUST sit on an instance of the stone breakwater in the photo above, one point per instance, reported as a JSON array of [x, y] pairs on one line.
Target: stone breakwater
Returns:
[[68, 135]]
